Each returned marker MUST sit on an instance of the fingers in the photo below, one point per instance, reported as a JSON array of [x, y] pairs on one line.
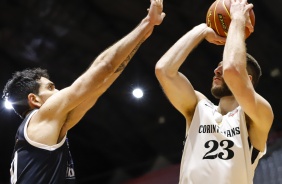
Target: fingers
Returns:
[[244, 1], [239, 1], [249, 6], [155, 12], [159, 3], [220, 40], [217, 42], [242, 6], [250, 26], [220, 43]]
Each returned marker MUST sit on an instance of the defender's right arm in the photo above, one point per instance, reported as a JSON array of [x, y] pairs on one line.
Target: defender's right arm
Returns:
[[65, 108]]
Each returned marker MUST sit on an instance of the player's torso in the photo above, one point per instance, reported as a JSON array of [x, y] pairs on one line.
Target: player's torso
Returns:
[[38, 163], [215, 146]]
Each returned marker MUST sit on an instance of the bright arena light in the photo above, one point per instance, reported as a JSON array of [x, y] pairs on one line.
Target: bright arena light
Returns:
[[8, 105], [137, 93]]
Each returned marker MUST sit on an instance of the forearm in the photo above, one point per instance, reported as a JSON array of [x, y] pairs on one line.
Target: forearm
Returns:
[[115, 58], [129, 57], [78, 112], [177, 54], [235, 48]]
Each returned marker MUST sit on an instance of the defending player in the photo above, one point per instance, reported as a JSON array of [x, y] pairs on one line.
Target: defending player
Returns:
[[41, 152]]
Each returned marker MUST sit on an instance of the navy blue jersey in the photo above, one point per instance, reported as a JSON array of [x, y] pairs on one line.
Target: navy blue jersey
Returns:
[[35, 163]]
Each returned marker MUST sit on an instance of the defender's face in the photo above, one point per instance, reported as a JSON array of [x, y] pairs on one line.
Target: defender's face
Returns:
[[46, 89], [219, 88]]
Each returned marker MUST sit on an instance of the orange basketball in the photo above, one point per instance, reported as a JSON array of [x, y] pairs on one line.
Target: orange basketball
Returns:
[[218, 17]]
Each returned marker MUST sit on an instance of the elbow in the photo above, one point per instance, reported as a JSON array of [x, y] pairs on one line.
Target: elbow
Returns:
[[106, 62], [164, 72], [105, 66], [108, 68], [230, 73], [161, 71]]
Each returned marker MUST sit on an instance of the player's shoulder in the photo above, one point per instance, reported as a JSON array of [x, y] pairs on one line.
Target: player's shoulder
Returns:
[[200, 96]]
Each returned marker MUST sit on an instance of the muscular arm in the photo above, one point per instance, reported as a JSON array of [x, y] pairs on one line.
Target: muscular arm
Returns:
[[235, 74], [176, 86], [77, 113], [65, 108]]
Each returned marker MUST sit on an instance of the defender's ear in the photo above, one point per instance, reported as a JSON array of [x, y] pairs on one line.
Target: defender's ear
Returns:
[[251, 79], [34, 101]]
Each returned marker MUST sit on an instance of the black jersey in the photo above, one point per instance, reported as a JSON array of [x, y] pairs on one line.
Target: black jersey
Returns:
[[35, 163]]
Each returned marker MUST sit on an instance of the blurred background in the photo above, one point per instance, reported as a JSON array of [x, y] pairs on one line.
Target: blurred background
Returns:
[[124, 139]]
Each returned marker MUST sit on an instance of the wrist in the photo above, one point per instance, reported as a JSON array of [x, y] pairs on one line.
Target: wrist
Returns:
[[203, 25], [145, 27], [202, 29], [239, 19]]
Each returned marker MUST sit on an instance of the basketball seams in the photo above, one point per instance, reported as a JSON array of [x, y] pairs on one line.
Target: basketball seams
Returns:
[[228, 13], [218, 17], [215, 17], [226, 9]]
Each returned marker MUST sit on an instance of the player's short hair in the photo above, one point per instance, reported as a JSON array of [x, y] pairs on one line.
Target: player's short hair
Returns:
[[20, 85], [253, 69]]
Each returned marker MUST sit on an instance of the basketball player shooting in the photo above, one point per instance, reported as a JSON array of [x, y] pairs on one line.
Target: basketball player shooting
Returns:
[[224, 142], [41, 153]]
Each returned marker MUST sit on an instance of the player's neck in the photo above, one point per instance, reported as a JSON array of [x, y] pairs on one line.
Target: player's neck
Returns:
[[227, 104]]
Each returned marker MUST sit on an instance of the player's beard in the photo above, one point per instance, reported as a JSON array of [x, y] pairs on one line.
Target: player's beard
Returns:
[[221, 91]]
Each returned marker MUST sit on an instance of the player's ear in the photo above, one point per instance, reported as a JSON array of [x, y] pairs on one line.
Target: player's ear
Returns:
[[34, 100], [251, 78]]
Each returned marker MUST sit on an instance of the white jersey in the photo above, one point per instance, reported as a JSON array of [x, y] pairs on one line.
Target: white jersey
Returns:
[[217, 148]]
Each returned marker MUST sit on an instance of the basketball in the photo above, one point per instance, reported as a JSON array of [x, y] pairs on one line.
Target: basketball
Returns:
[[218, 17]]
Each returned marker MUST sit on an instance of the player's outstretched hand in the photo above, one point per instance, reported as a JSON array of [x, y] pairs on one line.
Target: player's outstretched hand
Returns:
[[240, 9]]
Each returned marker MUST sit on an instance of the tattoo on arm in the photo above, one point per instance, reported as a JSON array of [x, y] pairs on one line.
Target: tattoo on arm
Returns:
[[128, 58]]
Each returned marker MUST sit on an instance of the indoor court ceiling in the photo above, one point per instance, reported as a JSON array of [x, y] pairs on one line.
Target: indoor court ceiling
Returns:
[[122, 137]]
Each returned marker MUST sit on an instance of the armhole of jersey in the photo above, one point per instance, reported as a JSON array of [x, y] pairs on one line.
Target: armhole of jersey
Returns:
[[14, 169], [204, 100], [39, 145], [255, 153], [256, 156]]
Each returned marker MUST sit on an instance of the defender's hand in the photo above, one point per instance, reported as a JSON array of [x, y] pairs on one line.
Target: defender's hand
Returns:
[[155, 12]]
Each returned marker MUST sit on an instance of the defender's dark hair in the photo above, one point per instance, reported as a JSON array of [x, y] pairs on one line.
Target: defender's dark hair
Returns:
[[20, 85], [253, 69]]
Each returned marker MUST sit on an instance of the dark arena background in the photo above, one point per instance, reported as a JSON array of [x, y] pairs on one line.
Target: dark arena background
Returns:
[[123, 139]]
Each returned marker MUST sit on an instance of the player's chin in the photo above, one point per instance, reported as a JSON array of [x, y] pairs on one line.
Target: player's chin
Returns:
[[216, 83]]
